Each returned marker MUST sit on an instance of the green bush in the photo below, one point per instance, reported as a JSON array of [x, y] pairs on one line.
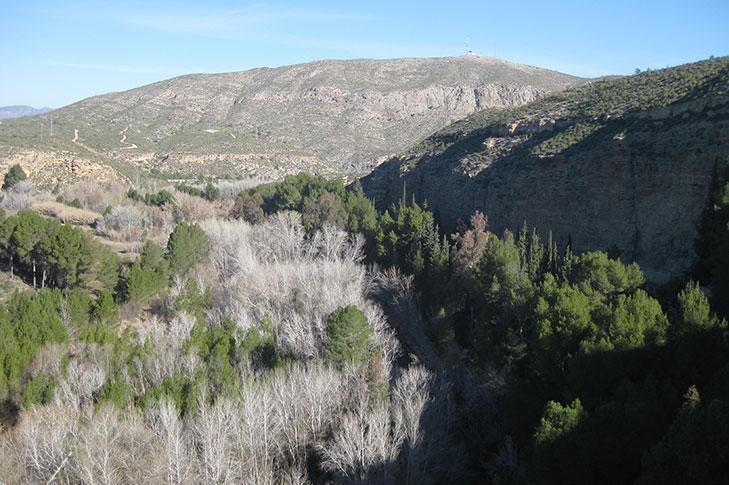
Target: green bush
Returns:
[[117, 391], [38, 390]]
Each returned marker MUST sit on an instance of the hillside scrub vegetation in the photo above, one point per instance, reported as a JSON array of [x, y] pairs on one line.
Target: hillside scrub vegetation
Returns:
[[598, 101], [310, 337]]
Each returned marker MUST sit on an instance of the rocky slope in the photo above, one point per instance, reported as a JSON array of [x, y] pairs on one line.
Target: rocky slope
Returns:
[[325, 116], [623, 163]]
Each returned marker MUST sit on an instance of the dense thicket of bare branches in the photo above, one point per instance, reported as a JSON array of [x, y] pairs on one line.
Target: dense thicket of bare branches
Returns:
[[302, 421], [122, 223], [231, 188], [271, 269], [17, 197], [262, 434]]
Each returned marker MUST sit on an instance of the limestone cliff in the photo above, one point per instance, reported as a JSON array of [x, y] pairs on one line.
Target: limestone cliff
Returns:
[[623, 164]]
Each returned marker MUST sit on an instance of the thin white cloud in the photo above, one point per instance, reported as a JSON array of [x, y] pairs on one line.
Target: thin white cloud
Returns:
[[117, 68], [234, 24], [361, 48]]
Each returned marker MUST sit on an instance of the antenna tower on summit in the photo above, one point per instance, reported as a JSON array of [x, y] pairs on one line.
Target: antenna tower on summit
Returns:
[[468, 48]]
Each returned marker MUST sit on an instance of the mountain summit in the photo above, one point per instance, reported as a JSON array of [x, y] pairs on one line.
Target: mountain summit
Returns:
[[324, 116]]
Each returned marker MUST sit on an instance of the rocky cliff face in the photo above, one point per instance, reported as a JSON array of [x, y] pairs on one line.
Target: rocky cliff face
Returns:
[[327, 116], [635, 180]]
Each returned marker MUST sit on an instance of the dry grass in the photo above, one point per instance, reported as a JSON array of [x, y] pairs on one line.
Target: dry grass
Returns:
[[67, 214]]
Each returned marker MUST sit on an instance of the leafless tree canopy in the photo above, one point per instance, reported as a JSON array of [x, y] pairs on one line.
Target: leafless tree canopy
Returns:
[[18, 197], [300, 422], [122, 223]]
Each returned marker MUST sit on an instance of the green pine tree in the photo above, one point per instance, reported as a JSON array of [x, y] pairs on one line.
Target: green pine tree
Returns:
[[187, 246], [348, 334]]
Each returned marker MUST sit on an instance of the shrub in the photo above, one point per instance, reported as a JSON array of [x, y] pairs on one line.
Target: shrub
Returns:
[[211, 193]]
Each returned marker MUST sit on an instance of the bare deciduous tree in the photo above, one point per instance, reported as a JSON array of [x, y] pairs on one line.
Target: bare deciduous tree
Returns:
[[98, 460], [122, 223], [231, 188], [257, 434], [46, 440], [423, 415], [49, 359], [97, 196], [191, 208], [212, 435], [281, 239], [178, 461], [18, 197], [362, 449], [271, 270], [81, 379]]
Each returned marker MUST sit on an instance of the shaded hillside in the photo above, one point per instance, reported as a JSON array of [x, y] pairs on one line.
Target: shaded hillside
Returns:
[[324, 116], [623, 163]]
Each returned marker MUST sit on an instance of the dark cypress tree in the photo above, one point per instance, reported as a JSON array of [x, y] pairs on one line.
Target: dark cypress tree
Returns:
[[522, 244], [535, 256], [249, 208], [14, 175], [713, 243], [327, 209]]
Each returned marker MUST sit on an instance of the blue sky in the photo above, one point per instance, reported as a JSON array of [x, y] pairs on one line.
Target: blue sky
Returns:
[[56, 53]]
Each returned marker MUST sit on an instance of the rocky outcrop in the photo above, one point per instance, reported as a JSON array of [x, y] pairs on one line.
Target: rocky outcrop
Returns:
[[636, 183], [50, 167]]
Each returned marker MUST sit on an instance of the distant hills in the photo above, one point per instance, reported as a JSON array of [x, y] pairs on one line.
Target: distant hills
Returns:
[[623, 164], [328, 117], [8, 112]]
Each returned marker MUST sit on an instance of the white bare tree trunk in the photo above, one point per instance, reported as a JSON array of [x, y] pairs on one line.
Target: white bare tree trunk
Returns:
[[176, 449], [211, 429]]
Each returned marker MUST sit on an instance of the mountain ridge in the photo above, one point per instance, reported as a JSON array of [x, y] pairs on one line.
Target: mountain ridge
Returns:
[[621, 163], [326, 116]]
